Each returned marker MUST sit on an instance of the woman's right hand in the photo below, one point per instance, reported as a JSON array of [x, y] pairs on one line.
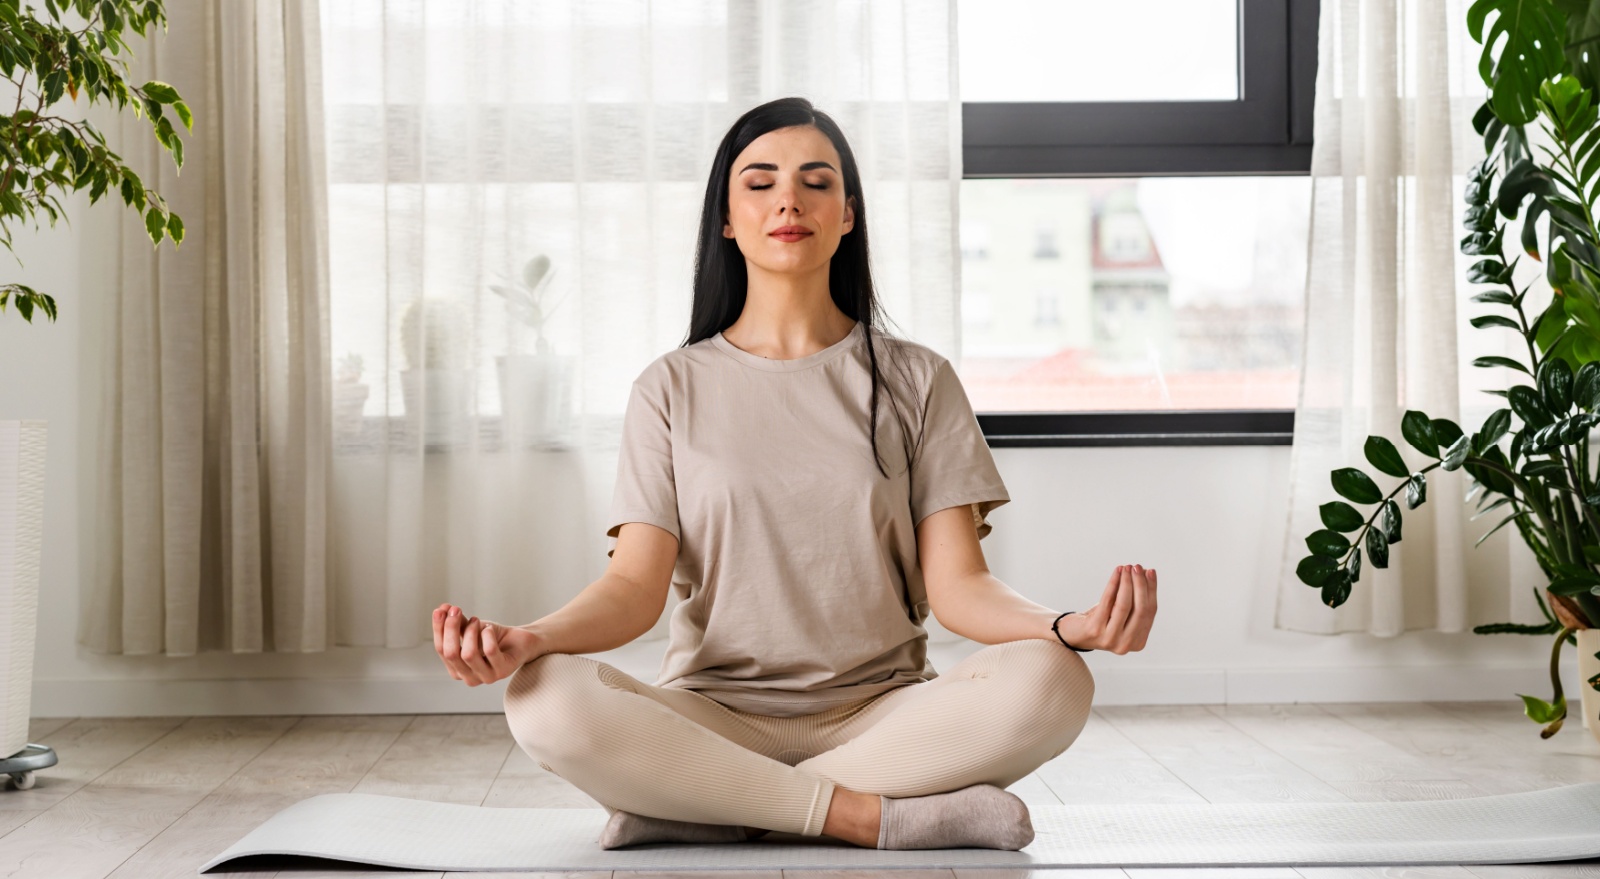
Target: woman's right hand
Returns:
[[477, 651]]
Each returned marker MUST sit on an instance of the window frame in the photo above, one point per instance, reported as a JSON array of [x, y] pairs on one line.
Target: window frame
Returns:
[[1265, 132]]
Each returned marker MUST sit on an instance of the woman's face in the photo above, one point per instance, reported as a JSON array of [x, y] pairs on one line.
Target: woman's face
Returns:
[[788, 177]]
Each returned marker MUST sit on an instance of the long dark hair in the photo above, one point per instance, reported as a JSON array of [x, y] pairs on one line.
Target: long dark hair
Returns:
[[720, 277]]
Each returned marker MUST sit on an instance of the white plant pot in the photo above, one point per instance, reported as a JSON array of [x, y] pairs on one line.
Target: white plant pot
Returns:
[[438, 403], [349, 399], [1588, 667], [535, 397], [21, 520]]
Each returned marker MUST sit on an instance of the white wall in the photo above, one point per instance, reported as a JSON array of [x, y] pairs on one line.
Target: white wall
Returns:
[[1210, 519]]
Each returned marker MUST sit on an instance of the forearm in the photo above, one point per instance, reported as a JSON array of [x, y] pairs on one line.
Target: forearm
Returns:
[[607, 614], [984, 609]]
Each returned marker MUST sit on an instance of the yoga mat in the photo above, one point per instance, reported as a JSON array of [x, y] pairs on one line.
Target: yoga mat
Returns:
[[1555, 824]]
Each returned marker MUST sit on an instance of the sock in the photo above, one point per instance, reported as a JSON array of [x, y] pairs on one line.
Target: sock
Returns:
[[979, 816], [626, 828]]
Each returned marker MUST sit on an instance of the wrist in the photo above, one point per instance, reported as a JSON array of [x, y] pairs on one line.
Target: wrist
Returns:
[[1066, 629]]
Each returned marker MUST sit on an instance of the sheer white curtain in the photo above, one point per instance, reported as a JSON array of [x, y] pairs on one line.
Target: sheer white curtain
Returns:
[[1387, 310], [214, 460], [514, 192]]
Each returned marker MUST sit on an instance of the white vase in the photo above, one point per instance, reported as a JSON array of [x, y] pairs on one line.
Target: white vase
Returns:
[[1588, 667], [535, 398], [21, 520], [438, 402], [349, 399]]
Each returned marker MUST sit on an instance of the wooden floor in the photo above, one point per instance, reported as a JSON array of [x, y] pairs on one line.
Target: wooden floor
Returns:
[[157, 797]]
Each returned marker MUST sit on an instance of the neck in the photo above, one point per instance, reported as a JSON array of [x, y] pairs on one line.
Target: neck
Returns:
[[788, 315]]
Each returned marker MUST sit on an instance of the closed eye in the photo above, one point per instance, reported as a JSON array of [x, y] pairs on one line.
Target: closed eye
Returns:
[[812, 185]]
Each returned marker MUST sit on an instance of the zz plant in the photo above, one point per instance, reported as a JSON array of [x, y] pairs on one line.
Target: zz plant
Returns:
[[1542, 479], [72, 48]]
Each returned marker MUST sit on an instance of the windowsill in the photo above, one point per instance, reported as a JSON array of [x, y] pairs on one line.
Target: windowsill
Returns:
[[378, 434]]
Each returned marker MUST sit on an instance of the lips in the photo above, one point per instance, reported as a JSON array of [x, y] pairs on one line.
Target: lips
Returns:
[[790, 233]]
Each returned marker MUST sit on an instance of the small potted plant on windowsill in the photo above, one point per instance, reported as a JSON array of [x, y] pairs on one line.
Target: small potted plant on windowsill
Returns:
[[535, 389]]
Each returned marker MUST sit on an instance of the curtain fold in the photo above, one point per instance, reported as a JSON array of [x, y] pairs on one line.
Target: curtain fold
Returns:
[[515, 191], [1387, 310], [214, 460]]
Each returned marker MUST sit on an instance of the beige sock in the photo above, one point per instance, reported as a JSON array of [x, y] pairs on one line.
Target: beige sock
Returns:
[[979, 816], [626, 828]]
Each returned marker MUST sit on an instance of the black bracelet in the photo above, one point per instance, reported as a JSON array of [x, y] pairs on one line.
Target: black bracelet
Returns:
[[1063, 640]]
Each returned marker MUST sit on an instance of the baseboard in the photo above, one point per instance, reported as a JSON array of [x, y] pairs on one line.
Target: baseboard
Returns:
[[438, 694]]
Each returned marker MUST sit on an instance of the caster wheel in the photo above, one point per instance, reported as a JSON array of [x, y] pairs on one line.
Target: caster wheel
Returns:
[[22, 780]]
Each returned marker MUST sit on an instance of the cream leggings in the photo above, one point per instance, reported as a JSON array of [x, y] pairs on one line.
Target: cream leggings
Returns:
[[673, 753]]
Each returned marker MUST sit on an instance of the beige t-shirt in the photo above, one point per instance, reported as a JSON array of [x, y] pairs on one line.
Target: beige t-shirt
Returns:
[[797, 562]]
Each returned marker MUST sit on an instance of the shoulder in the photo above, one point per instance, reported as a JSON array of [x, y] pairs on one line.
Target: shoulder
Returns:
[[926, 366], [668, 373]]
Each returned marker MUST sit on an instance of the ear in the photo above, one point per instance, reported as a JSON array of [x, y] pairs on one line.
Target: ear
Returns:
[[849, 213]]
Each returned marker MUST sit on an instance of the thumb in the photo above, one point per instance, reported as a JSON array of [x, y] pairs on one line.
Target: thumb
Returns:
[[491, 639]]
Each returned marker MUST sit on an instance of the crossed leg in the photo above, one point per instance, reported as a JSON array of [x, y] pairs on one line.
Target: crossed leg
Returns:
[[672, 753]]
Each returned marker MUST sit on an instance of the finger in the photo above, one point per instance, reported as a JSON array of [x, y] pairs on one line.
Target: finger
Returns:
[[438, 628], [1107, 596], [1141, 596], [1118, 619], [452, 643], [473, 638]]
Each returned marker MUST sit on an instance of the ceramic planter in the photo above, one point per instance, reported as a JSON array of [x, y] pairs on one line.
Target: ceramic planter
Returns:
[[21, 519]]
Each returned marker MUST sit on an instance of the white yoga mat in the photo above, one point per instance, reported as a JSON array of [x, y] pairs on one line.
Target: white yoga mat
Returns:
[[1556, 824]]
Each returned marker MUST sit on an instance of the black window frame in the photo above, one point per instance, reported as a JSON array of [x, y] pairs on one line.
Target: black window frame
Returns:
[[1266, 131]]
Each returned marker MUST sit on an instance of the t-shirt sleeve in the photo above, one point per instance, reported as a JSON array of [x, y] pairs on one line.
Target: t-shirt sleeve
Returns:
[[953, 465], [645, 490]]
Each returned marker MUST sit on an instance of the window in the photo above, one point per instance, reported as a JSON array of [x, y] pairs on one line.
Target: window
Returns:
[[1158, 175]]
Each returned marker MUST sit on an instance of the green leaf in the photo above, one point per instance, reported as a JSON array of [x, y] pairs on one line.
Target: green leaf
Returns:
[[1494, 427], [1382, 454], [1418, 431], [1336, 589], [1584, 386], [1355, 485], [1377, 548], [1314, 569], [155, 223], [1495, 320], [1496, 360], [1555, 385], [175, 229], [184, 116], [1498, 297], [1540, 711], [1529, 406], [160, 92], [1340, 516], [1456, 454], [1327, 542], [1445, 431], [1353, 567], [1389, 519], [1416, 491]]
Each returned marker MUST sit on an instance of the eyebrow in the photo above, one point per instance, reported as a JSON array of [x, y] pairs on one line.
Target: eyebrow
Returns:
[[768, 166]]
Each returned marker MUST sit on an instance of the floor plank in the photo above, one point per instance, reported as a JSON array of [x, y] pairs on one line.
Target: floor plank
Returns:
[[1221, 763], [1103, 766], [315, 755]]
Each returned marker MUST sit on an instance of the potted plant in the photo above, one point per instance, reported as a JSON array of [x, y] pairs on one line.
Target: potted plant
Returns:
[[349, 398], [1542, 479], [535, 389], [437, 386], [47, 154]]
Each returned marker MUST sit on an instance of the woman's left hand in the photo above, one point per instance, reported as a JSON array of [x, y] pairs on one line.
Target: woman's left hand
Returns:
[[1121, 622]]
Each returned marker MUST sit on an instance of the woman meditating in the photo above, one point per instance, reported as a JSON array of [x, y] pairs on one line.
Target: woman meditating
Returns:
[[812, 489]]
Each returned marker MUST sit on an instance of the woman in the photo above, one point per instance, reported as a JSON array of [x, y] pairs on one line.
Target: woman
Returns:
[[811, 506]]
